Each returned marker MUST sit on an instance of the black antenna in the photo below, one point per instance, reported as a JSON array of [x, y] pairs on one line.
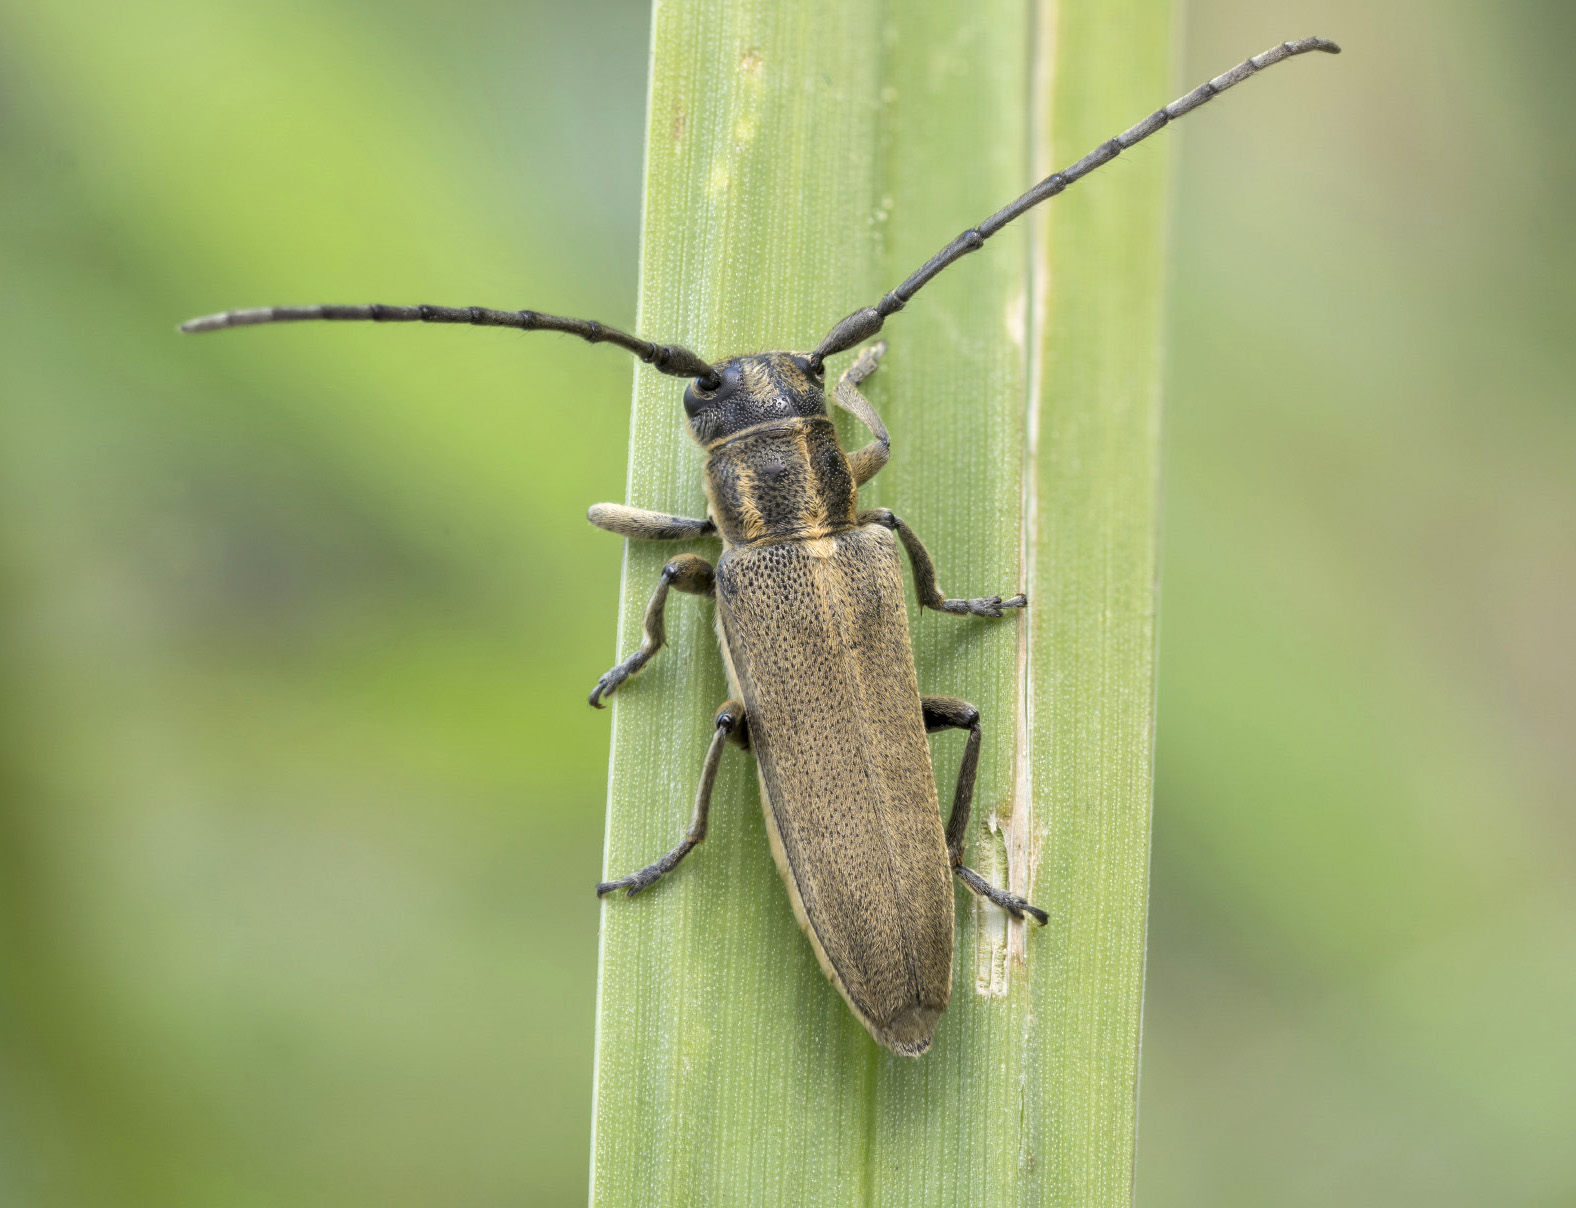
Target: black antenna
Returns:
[[672, 359], [863, 324]]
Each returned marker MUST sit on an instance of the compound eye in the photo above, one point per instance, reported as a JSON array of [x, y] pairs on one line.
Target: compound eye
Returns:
[[808, 366], [695, 398], [704, 391]]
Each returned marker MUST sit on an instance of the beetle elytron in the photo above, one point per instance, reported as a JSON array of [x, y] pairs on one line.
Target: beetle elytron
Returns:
[[810, 613]]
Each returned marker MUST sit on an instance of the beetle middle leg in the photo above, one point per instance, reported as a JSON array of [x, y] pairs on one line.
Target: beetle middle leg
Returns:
[[926, 585], [689, 573], [730, 726], [950, 713]]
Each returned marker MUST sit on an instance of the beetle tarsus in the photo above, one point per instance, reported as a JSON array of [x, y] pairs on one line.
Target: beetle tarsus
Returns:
[[985, 606], [652, 873], [608, 684], [1010, 902]]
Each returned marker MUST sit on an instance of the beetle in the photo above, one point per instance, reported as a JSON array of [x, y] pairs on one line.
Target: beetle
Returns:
[[811, 618]]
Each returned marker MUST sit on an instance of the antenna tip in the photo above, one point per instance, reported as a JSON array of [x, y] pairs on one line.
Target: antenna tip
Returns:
[[1324, 44], [202, 323]]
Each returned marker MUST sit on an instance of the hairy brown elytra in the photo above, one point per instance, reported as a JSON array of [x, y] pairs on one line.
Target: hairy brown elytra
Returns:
[[809, 600]]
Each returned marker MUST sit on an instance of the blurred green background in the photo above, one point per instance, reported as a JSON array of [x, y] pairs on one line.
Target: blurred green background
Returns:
[[300, 805]]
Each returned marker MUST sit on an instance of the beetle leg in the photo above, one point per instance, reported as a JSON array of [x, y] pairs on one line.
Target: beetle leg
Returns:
[[926, 584], [950, 713], [646, 525], [864, 463], [731, 726], [689, 573], [1010, 902]]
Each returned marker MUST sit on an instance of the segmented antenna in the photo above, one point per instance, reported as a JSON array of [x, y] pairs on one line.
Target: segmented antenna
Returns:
[[864, 323], [672, 359]]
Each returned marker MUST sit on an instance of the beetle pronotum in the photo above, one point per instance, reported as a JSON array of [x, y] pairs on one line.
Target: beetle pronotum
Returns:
[[810, 614]]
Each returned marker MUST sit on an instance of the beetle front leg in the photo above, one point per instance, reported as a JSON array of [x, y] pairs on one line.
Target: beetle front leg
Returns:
[[950, 713], [645, 525], [689, 573], [926, 585], [730, 725], [864, 463]]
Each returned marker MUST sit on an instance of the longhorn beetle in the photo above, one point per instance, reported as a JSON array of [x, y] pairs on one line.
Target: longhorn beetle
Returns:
[[810, 612]]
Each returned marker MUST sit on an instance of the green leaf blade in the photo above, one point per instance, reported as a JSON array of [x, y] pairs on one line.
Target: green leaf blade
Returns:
[[802, 160]]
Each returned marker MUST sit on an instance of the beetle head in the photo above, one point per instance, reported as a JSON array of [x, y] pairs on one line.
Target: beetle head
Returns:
[[751, 390]]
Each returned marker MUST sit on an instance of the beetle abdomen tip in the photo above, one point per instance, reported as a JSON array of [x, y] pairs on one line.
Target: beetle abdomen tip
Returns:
[[909, 1034]]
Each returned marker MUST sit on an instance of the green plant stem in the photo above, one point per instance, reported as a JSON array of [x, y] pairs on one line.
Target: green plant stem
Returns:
[[802, 159]]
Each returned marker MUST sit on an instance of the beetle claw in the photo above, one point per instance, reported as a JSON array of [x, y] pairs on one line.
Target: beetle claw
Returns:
[[605, 687]]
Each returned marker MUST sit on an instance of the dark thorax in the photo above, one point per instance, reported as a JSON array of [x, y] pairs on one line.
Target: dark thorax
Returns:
[[784, 480]]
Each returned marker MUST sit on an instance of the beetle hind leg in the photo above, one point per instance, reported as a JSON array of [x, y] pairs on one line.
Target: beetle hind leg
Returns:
[[730, 726], [1010, 902], [950, 713]]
